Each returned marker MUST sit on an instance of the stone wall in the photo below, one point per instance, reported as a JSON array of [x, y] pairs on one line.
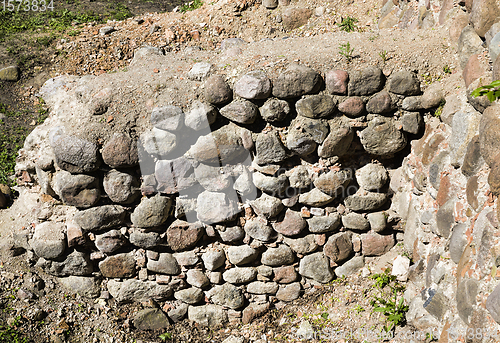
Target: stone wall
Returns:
[[250, 194], [446, 190]]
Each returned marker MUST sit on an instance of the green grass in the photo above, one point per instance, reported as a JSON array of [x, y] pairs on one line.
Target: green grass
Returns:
[[191, 6], [165, 336], [11, 140], [120, 12], [10, 333], [58, 20]]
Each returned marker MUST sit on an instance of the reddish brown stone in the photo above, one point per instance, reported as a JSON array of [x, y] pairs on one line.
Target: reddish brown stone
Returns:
[[195, 34], [419, 145], [373, 244], [320, 239], [291, 225], [339, 247], [182, 235], [336, 81], [471, 192], [118, 266], [285, 274], [253, 311], [444, 191], [352, 107], [473, 70], [120, 151]]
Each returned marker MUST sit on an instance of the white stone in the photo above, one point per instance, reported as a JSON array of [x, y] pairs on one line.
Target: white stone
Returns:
[[400, 268]]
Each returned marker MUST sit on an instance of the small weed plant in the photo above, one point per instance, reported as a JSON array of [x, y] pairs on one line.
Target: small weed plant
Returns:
[[383, 56], [390, 301], [348, 24], [346, 50], [492, 91], [437, 114], [165, 336], [447, 69]]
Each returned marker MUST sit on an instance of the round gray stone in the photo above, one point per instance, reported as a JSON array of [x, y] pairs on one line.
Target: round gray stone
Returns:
[[100, 218], [110, 241], [200, 116], [213, 259], [269, 149], [296, 81], [355, 221], [254, 85], [316, 106], [404, 82], [168, 117], [267, 206], [239, 275], [317, 267], [166, 264], [228, 295], [190, 296], [240, 111], [322, 224], [274, 110], [122, 188], [279, 256], [382, 137], [217, 91], [258, 228], [241, 255], [151, 212], [49, 240]]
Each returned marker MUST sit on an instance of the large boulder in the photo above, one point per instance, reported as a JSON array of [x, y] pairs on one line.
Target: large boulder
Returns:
[[254, 85], [382, 137], [49, 240], [483, 15], [225, 145], [151, 212], [100, 218], [74, 154], [78, 190], [120, 152], [296, 81], [366, 82]]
